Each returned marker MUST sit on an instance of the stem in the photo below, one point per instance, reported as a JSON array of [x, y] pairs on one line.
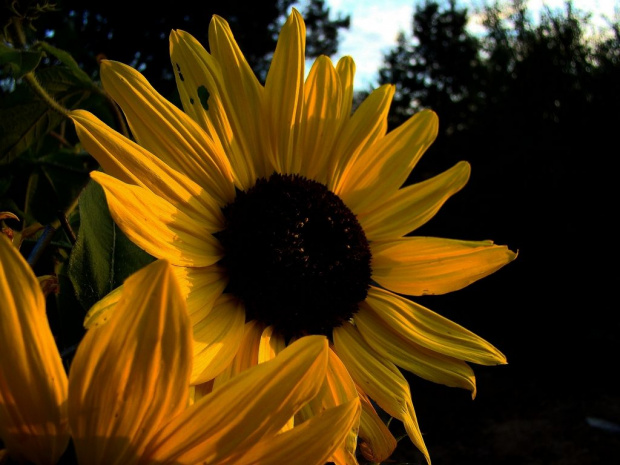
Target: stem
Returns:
[[31, 79], [41, 245], [20, 42]]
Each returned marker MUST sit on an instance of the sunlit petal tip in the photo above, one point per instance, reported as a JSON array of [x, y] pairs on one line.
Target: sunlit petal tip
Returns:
[[122, 389], [33, 383]]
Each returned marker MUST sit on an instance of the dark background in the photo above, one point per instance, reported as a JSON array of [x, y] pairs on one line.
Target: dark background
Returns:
[[533, 106]]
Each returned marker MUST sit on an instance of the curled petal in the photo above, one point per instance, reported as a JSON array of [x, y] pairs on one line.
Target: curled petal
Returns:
[[380, 379], [377, 442]]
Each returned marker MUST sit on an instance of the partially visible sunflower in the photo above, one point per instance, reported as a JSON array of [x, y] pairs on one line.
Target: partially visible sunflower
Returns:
[[284, 214], [125, 400]]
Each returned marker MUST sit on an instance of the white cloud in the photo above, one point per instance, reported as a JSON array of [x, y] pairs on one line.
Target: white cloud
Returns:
[[376, 24]]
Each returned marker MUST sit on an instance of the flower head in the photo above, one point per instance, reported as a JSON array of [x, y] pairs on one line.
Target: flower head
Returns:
[[284, 214], [126, 398]]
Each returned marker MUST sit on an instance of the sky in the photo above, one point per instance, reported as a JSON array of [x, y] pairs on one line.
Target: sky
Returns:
[[376, 24]]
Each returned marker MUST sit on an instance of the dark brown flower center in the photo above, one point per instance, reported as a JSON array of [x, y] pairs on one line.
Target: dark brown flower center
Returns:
[[296, 255]]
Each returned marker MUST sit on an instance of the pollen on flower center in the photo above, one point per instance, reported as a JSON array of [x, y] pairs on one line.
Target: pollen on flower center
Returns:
[[295, 254]]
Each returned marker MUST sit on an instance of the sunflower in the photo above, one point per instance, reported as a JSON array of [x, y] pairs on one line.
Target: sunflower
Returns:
[[125, 399], [283, 213]]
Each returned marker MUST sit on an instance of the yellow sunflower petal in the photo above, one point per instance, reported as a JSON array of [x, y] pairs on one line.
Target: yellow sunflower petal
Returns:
[[131, 375], [380, 379], [242, 93], [367, 125], [157, 226], [312, 442], [411, 207], [253, 405], [128, 162], [271, 344], [382, 169], [247, 355], [321, 119], [338, 388], [284, 93], [346, 72], [167, 132], [377, 442], [422, 326], [33, 383], [199, 286], [101, 311], [194, 70], [407, 354], [217, 338], [431, 265], [231, 114]]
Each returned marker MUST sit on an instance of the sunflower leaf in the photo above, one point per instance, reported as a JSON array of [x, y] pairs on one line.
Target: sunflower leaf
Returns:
[[66, 59], [103, 257], [19, 62]]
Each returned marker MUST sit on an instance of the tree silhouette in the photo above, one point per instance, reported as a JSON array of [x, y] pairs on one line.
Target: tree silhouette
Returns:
[[107, 29]]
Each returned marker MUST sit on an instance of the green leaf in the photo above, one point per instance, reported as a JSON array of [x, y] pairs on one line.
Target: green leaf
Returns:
[[103, 257], [19, 62], [66, 59], [25, 119], [55, 181]]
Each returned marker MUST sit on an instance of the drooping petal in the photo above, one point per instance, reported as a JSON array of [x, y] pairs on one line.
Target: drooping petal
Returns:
[[407, 354], [380, 378], [33, 383], [217, 337], [338, 388], [157, 226], [251, 406], [411, 207], [205, 82], [377, 442], [167, 132], [422, 326], [131, 375], [284, 93], [321, 119], [431, 265], [367, 125], [129, 162], [313, 442], [382, 169]]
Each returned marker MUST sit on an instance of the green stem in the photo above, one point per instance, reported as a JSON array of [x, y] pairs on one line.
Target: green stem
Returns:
[[19, 39], [31, 79]]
